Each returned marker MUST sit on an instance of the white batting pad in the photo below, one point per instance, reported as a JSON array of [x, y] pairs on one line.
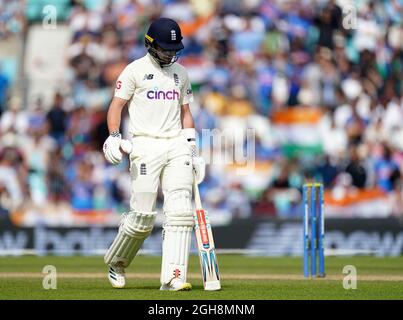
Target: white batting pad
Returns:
[[134, 228], [176, 245]]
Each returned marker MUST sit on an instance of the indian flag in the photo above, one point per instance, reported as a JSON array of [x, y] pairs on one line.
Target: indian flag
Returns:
[[362, 203], [298, 130]]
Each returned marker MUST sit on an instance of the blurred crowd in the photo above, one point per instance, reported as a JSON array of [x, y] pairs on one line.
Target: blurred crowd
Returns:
[[12, 19], [247, 60]]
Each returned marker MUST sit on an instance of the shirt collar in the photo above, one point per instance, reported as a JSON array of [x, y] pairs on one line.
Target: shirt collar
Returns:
[[151, 58]]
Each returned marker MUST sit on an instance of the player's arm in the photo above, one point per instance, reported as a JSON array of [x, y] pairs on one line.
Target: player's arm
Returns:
[[124, 90], [114, 145], [186, 117], [115, 114], [186, 99]]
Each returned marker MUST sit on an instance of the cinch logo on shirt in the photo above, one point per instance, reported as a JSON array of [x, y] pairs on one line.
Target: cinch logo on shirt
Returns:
[[164, 95]]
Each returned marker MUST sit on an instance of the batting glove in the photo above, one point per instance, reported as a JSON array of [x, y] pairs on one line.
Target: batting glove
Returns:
[[112, 148], [199, 165]]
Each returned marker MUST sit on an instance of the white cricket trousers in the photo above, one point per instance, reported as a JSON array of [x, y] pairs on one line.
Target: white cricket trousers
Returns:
[[159, 159]]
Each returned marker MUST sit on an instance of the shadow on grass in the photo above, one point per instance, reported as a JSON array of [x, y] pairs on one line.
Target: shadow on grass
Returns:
[[151, 287]]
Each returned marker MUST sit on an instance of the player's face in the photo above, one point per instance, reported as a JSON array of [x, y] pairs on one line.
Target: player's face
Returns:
[[166, 56]]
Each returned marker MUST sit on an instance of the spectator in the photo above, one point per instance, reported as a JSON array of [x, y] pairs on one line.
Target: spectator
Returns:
[[328, 171], [4, 85], [238, 202], [6, 205], [334, 139], [57, 119], [356, 169], [37, 151], [387, 170], [264, 206], [326, 26], [11, 18], [396, 199], [82, 188], [9, 177], [355, 126], [14, 119], [56, 182]]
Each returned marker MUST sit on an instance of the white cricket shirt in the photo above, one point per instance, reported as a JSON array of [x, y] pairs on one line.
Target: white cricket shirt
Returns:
[[155, 96]]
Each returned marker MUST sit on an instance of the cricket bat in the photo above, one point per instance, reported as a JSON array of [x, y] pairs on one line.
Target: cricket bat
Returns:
[[205, 245]]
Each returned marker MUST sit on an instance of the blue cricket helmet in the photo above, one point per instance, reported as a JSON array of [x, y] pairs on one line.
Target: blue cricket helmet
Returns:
[[166, 33]]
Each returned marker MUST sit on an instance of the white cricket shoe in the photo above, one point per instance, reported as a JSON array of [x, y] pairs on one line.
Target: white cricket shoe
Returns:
[[116, 276], [176, 284]]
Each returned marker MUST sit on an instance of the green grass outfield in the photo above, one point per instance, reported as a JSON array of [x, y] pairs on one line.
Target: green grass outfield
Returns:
[[242, 278]]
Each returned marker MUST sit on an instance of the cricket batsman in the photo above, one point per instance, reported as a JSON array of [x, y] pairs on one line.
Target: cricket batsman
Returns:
[[163, 148]]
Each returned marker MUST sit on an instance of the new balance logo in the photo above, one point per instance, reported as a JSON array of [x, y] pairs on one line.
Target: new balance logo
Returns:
[[173, 35], [148, 77]]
